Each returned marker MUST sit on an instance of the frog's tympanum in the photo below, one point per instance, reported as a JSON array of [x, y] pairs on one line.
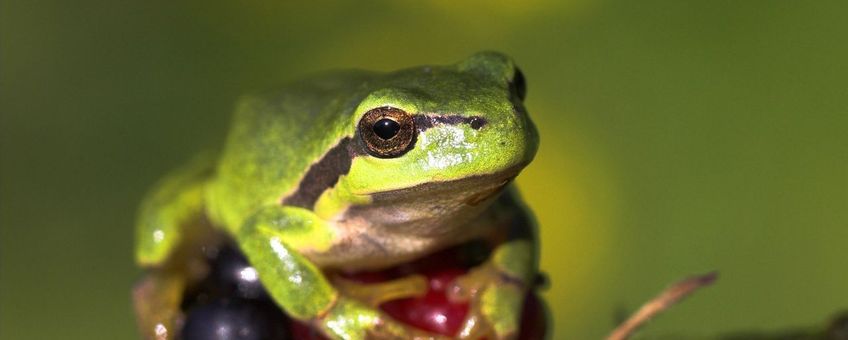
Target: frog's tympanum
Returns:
[[356, 171]]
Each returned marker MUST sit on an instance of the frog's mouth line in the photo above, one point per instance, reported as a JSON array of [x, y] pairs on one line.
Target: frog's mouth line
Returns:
[[476, 188]]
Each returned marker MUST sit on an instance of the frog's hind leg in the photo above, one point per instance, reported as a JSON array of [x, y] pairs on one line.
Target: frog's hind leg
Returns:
[[156, 299], [158, 296], [170, 227]]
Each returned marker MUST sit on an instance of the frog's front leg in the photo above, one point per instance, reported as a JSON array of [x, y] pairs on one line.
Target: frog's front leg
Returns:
[[496, 291], [274, 240]]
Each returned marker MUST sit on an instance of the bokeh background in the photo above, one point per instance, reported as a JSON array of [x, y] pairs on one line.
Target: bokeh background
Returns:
[[678, 137]]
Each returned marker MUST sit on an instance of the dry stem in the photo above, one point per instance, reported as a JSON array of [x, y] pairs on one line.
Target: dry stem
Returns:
[[669, 297]]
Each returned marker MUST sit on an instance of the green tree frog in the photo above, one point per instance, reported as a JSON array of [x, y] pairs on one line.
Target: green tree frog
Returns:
[[355, 171]]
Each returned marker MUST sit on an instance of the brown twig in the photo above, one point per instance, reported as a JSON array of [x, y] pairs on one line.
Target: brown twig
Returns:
[[669, 297]]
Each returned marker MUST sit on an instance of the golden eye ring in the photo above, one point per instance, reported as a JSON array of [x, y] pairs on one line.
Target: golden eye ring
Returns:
[[387, 132]]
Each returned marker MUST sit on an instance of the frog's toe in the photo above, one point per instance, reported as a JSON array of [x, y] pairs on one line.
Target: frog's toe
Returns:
[[473, 284], [351, 319], [375, 294]]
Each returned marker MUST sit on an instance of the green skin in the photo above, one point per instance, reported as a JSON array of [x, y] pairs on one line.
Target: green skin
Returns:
[[364, 212]]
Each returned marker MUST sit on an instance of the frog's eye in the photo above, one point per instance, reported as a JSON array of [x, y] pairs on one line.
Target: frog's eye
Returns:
[[388, 132], [519, 84]]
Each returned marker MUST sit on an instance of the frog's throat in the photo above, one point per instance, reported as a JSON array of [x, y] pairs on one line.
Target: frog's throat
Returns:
[[429, 211], [474, 189], [324, 174]]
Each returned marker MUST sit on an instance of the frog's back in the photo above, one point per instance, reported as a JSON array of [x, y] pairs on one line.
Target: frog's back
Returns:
[[275, 137]]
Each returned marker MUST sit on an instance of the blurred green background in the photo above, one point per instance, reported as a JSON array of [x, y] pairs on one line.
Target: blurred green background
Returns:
[[677, 137]]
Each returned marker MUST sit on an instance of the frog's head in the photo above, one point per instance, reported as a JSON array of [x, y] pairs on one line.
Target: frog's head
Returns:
[[437, 143]]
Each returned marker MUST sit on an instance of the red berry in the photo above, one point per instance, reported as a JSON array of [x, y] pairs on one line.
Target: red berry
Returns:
[[302, 331], [431, 312]]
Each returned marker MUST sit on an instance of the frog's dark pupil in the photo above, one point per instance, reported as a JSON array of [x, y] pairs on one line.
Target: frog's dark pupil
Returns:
[[386, 128]]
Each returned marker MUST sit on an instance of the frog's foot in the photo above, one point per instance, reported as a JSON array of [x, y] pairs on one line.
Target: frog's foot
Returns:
[[495, 299], [352, 319], [156, 300], [375, 294]]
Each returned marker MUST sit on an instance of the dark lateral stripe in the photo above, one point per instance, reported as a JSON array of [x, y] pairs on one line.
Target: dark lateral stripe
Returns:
[[322, 175], [325, 173], [425, 121]]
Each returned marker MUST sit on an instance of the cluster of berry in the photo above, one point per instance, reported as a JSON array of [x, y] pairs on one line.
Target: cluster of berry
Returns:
[[232, 304]]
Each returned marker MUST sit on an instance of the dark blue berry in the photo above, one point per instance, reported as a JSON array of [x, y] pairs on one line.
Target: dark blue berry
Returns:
[[235, 319], [233, 276]]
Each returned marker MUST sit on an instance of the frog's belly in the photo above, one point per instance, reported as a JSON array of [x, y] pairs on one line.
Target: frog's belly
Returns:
[[368, 240], [367, 251], [405, 224]]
